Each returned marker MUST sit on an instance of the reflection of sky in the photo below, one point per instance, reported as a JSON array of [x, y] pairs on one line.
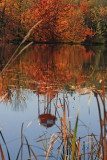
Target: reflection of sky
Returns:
[[11, 121]]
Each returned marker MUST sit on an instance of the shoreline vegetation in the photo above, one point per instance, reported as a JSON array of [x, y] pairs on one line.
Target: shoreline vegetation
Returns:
[[70, 21]]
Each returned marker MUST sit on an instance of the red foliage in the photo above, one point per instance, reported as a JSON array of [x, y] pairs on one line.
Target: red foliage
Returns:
[[62, 21], [84, 7]]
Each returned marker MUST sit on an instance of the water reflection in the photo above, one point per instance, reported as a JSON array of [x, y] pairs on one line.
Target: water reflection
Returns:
[[46, 119], [61, 77], [50, 67]]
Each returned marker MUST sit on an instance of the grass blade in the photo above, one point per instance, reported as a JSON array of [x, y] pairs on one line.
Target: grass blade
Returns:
[[5, 145], [79, 149], [29, 44], [22, 141], [74, 136], [33, 153], [64, 130], [3, 97], [43, 144], [74, 139], [19, 152], [51, 146], [30, 31], [28, 147], [2, 155]]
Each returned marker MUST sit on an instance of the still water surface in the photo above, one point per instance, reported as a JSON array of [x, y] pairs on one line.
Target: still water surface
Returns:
[[36, 87]]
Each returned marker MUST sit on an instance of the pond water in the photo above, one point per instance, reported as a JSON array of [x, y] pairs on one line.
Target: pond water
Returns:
[[46, 88]]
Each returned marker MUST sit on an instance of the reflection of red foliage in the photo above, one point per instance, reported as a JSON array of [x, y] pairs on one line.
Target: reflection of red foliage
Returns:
[[81, 79], [48, 68], [58, 68], [47, 120]]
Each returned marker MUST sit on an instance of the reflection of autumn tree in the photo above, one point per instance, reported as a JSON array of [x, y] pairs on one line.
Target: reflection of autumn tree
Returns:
[[95, 18], [97, 71], [62, 66], [6, 50]]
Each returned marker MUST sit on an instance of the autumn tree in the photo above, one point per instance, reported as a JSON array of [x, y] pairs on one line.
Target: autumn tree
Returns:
[[12, 19], [71, 24], [95, 18], [63, 21], [2, 17]]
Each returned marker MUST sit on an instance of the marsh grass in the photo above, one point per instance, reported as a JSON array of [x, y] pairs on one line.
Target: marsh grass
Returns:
[[69, 146], [88, 147]]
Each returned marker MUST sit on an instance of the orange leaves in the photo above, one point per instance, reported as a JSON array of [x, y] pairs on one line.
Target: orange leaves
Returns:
[[47, 10], [62, 21], [71, 25], [84, 7], [67, 66]]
